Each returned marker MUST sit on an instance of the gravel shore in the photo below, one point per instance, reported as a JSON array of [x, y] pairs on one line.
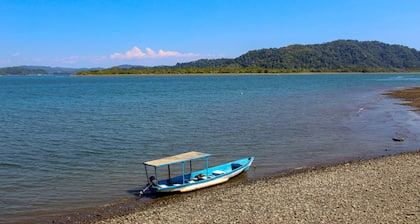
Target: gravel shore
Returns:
[[382, 190]]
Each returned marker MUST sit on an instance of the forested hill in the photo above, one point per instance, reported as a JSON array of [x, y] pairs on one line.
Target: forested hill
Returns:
[[20, 70], [34, 70], [335, 56], [340, 54]]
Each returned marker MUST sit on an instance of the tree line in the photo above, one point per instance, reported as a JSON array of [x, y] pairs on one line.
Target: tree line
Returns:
[[335, 56]]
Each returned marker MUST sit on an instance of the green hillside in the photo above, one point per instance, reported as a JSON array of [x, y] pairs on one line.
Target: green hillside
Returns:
[[335, 56], [339, 54]]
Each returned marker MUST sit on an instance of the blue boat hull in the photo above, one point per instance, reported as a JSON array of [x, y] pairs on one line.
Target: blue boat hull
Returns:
[[204, 178]]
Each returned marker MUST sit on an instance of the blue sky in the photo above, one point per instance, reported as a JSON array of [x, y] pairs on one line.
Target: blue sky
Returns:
[[100, 33]]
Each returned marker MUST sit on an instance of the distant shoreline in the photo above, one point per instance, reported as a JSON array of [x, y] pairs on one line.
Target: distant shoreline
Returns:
[[334, 56], [244, 74]]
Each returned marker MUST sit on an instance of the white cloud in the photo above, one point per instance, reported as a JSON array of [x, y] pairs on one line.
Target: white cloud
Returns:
[[150, 52], [148, 57], [136, 52], [163, 53]]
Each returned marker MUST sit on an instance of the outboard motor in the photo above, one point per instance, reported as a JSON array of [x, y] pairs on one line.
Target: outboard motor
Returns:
[[153, 180]]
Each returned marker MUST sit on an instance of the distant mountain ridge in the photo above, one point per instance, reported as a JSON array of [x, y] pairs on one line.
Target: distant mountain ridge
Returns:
[[339, 54], [34, 70], [335, 56]]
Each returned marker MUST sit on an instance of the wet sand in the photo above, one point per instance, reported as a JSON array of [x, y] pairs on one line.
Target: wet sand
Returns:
[[411, 96]]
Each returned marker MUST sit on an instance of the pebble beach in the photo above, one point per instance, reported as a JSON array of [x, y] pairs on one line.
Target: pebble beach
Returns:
[[380, 190]]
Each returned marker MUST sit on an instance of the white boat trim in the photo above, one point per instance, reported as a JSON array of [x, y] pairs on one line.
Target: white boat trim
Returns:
[[202, 184], [193, 180]]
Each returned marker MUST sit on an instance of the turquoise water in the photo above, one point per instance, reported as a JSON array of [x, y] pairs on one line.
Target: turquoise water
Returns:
[[75, 142]]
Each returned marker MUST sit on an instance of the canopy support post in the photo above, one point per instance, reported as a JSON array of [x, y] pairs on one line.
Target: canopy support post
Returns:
[[169, 174], [147, 175], [207, 166], [157, 180], [183, 173]]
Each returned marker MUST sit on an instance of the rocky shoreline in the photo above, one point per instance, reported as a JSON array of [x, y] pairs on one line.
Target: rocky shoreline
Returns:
[[382, 190]]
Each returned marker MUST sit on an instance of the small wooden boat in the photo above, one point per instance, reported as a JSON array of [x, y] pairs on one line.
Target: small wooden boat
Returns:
[[191, 180]]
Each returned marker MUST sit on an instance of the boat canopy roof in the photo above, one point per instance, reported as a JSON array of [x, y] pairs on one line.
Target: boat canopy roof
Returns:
[[177, 158]]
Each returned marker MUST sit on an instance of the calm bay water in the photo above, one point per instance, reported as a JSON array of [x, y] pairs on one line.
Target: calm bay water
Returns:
[[74, 142]]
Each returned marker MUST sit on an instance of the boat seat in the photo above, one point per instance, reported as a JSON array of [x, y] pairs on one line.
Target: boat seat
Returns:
[[200, 176], [218, 172], [163, 185]]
